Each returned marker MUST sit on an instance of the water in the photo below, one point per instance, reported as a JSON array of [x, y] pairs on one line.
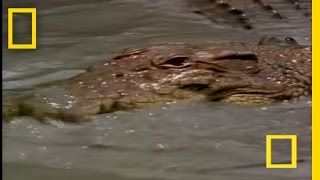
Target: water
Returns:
[[196, 141]]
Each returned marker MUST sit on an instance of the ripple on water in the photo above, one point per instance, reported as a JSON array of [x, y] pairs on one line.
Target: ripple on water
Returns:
[[198, 141]]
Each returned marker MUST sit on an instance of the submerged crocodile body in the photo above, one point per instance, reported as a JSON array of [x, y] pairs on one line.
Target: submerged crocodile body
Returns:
[[245, 12], [235, 73]]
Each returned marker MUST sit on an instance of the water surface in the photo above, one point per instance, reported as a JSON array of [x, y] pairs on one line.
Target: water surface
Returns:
[[196, 141]]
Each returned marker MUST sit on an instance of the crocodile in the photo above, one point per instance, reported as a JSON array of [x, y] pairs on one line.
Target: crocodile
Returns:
[[227, 72], [244, 13]]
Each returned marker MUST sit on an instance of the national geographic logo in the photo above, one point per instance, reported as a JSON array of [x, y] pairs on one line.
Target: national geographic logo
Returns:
[[293, 139], [33, 44]]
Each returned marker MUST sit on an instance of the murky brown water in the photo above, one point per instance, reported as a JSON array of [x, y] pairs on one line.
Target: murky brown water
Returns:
[[198, 141]]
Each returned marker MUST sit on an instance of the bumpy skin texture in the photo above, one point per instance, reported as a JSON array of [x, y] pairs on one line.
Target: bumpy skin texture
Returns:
[[243, 12], [233, 72]]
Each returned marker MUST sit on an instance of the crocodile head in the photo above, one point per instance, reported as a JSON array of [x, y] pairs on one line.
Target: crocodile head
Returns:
[[234, 73], [231, 72]]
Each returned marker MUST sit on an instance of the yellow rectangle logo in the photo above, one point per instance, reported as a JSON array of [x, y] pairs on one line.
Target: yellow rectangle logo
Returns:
[[33, 44], [293, 139]]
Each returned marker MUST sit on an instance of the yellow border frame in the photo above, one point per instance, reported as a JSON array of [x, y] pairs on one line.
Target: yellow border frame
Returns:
[[315, 89], [33, 44], [293, 139], [315, 64]]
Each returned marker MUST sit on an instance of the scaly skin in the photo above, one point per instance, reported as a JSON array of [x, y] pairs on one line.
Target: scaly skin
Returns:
[[242, 12], [235, 73]]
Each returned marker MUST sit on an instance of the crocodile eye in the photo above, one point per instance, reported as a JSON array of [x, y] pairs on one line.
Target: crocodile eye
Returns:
[[290, 40], [173, 62], [177, 61]]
